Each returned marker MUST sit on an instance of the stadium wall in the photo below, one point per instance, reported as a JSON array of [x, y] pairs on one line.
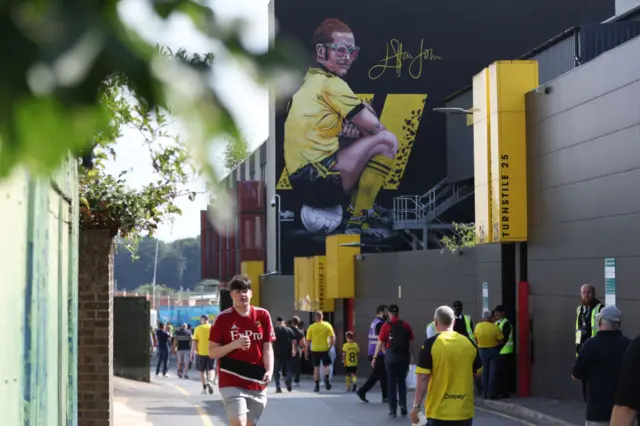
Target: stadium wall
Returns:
[[584, 204]]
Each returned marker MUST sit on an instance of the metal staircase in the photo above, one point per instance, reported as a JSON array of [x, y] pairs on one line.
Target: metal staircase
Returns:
[[418, 215]]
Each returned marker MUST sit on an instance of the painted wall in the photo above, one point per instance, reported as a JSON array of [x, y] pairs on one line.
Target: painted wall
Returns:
[[584, 204], [407, 63], [39, 252]]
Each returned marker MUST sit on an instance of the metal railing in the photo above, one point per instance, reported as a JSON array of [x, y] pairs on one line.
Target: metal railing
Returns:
[[425, 207]]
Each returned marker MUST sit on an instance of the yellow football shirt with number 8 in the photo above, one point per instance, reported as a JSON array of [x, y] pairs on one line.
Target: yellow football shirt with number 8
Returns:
[[351, 352]]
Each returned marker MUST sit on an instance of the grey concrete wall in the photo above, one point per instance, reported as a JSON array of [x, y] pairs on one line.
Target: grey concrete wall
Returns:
[[459, 140], [623, 6], [584, 204], [420, 281], [277, 296]]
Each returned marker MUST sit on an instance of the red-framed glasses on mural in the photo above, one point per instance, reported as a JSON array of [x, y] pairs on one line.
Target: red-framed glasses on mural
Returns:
[[342, 50]]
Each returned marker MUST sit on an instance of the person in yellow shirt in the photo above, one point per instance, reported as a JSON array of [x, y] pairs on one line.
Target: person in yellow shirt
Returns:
[[446, 365], [350, 353], [200, 348], [320, 339], [334, 143], [489, 338]]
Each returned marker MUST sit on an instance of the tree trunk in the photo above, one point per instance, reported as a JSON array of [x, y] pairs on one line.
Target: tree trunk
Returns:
[[95, 328]]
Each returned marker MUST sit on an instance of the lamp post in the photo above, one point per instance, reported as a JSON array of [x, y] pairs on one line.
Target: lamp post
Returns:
[[155, 270], [277, 203]]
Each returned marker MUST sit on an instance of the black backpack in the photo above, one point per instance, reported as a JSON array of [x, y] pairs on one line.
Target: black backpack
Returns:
[[399, 338]]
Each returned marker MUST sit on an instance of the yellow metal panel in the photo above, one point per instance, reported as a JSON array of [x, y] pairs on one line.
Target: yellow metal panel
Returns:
[[303, 283], [341, 251], [482, 156], [321, 301], [510, 81], [253, 269]]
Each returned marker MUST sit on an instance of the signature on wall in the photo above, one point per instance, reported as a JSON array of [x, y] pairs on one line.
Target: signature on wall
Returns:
[[397, 58]]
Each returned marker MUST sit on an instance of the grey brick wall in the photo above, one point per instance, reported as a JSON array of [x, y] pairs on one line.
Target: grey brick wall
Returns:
[[95, 329]]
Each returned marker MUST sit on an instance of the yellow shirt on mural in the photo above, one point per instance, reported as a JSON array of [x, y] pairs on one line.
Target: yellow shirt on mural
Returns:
[[315, 116]]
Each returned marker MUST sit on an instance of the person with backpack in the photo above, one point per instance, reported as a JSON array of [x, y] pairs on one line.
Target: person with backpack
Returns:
[[396, 336]]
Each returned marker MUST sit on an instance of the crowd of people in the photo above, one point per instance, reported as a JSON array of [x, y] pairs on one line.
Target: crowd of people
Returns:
[[190, 347], [243, 351]]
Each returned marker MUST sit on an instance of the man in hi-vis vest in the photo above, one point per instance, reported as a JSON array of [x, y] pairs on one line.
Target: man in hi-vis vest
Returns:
[[586, 322], [431, 330], [463, 323], [379, 372], [507, 354]]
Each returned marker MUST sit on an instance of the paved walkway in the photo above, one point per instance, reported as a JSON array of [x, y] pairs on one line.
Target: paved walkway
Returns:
[[541, 410], [172, 401]]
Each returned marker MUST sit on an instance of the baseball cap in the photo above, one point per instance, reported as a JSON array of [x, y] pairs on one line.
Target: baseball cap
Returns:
[[204, 317], [457, 303], [610, 314], [279, 319]]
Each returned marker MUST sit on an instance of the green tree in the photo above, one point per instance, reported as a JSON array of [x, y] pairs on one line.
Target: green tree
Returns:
[[107, 201], [235, 151], [179, 263], [63, 53], [464, 236]]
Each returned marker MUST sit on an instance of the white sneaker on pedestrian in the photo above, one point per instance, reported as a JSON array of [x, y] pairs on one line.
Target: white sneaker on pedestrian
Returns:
[[204, 391]]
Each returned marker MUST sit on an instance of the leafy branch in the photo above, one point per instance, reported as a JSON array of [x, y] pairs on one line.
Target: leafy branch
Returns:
[[107, 201], [464, 236]]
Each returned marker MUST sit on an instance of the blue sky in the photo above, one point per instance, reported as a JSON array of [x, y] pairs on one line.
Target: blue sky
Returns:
[[248, 101]]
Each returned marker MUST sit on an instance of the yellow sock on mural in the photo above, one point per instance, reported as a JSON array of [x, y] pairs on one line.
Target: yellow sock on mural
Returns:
[[370, 183]]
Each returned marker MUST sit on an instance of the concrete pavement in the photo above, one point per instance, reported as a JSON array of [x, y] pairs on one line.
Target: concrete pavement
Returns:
[[173, 401], [540, 410]]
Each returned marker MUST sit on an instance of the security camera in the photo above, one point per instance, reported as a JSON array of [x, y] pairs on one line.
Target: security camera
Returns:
[[273, 202], [543, 90]]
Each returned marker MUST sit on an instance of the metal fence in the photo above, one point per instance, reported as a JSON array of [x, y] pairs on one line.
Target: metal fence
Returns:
[[39, 264]]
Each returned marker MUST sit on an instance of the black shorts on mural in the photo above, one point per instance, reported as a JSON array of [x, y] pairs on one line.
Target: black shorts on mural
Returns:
[[204, 363], [320, 358], [317, 184]]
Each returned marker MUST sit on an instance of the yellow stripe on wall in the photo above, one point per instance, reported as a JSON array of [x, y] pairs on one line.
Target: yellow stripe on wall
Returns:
[[482, 156]]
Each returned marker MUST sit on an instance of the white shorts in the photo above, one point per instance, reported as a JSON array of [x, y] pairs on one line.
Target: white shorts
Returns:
[[241, 401], [184, 356]]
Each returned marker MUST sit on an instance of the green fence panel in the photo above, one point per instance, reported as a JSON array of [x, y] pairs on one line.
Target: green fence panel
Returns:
[[39, 264]]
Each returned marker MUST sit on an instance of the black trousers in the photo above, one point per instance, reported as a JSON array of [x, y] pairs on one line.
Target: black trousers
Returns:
[[397, 382], [435, 422], [282, 365], [163, 360], [296, 366], [507, 375], [379, 374]]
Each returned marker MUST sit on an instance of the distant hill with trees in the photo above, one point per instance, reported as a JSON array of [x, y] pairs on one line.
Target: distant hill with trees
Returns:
[[178, 264]]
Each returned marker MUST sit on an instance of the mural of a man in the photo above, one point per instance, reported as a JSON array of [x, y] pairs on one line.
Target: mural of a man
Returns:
[[334, 143]]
